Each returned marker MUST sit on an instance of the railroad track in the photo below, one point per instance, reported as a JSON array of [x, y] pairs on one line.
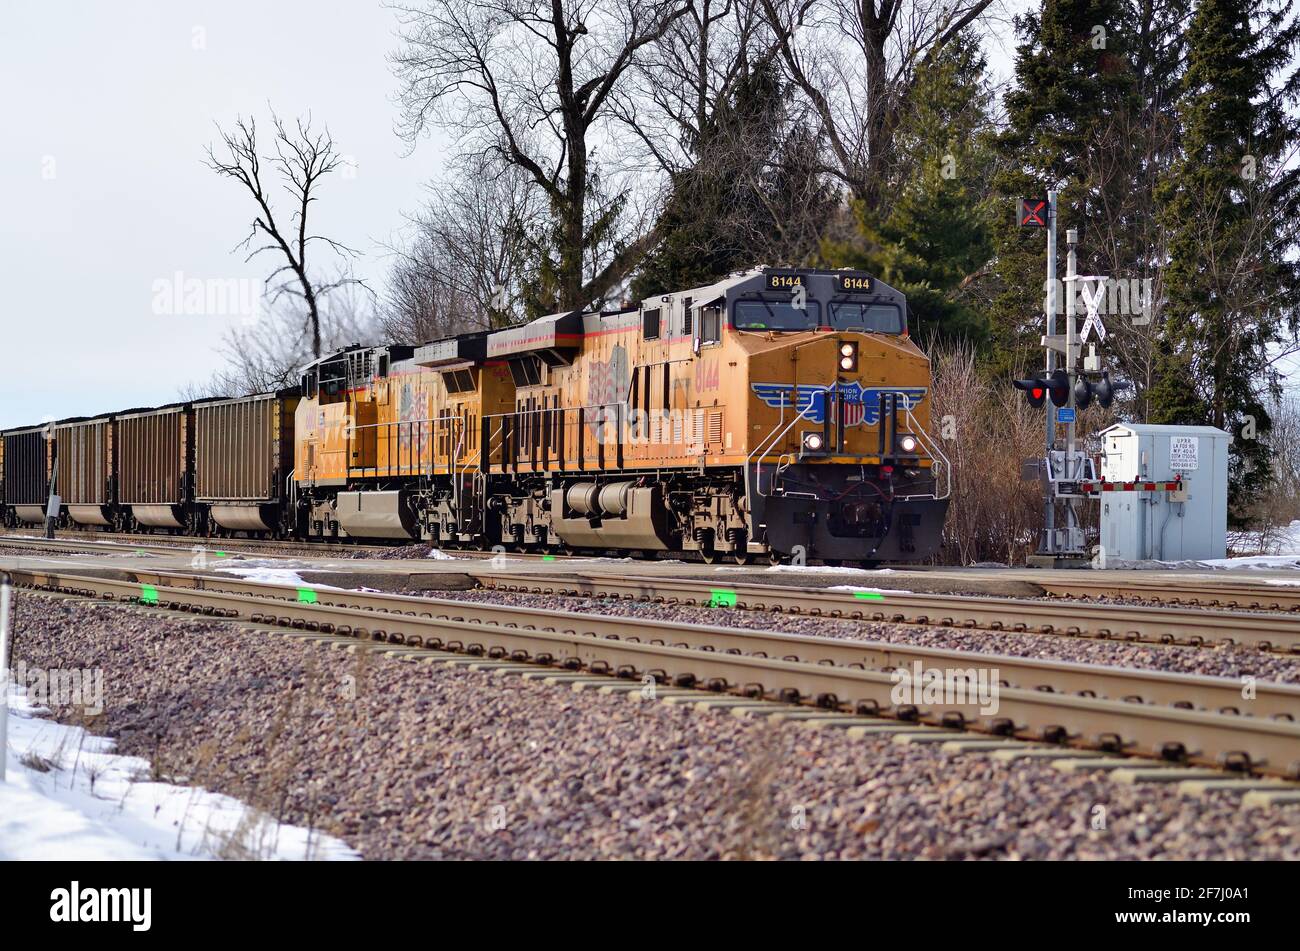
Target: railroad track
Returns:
[[1231, 595], [1202, 720], [170, 544], [1234, 594], [92, 542], [1143, 623]]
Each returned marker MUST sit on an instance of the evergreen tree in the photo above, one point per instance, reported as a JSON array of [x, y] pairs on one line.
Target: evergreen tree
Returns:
[[1230, 205], [753, 196], [933, 233], [1075, 86]]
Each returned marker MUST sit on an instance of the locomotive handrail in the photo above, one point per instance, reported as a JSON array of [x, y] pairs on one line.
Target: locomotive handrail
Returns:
[[935, 453], [769, 441]]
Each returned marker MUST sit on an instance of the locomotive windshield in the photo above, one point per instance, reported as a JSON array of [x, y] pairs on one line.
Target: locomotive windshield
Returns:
[[782, 314], [873, 318], [775, 315]]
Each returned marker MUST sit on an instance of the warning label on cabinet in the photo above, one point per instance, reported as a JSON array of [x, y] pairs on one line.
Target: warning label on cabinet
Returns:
[[1182, 453]]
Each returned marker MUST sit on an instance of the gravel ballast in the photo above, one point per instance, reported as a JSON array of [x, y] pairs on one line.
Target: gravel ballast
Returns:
[[407, 760]]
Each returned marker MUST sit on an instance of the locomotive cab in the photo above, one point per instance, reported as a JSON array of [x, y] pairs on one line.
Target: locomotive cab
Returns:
[[839, 464]]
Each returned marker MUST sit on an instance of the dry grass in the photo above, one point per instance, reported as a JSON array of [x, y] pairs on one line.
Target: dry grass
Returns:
[[994, 514]]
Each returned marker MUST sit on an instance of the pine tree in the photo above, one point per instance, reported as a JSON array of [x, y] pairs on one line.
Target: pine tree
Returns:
[[1230, 208], [753, 196], [1074, 87], [933, 233]]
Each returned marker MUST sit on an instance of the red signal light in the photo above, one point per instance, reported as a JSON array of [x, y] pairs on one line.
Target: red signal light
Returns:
[[1037, 392]]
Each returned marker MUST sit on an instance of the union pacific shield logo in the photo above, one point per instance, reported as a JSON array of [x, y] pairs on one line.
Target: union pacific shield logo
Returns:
[[861, 404]]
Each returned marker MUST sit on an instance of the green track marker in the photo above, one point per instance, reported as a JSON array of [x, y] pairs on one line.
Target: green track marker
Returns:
[[548, 558], [306, 596], [869, 595], [148, 594], [220, 554], [722, 599]]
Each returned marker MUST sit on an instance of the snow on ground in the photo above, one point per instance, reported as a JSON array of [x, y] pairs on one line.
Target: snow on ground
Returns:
[[272, 573], [809, 569], [68, 796], [1281, 541], [855, 589]]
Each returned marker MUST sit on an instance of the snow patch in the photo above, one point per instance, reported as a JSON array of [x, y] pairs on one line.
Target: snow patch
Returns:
[[68, 796], [265, 574], [1279, 541], [855, 588]]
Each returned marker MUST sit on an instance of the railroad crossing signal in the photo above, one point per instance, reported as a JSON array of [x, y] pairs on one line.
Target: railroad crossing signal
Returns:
[[1035, 391], [1103, 391], [1033, 213], [1039, 389]]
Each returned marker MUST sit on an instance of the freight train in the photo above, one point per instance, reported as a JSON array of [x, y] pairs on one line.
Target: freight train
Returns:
[[776, 414]]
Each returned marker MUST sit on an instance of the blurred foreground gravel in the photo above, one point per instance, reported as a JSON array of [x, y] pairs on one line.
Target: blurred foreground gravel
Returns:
[[414, 761]]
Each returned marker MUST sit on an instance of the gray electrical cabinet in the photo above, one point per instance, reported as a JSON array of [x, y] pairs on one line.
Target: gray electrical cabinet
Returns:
[[1143, 523]]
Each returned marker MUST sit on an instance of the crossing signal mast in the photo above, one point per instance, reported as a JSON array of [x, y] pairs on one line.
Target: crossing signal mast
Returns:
[[1064, 470]]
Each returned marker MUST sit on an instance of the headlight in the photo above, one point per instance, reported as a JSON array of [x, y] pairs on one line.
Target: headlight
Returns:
[[813, 442], [846, 363], [907, 443], [846, 349]]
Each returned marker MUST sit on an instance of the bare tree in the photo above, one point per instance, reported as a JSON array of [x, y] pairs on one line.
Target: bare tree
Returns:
[[855, 61], [678, 84], [302, 158], [269, 353], [464, 268], [530, 82]]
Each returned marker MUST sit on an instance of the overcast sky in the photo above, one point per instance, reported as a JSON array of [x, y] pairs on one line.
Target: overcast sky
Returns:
[[106, 110]]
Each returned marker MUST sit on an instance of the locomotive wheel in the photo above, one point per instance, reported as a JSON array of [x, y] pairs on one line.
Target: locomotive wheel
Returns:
[[708, 556], [742, 557], [775, 558]]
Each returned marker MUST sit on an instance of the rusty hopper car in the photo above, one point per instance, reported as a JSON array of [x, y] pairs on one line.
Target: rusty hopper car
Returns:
[[86, 471], [243, 455], [155, 456], [28, 461]]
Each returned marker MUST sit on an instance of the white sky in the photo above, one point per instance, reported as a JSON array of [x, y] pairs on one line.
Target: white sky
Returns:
[[120, 99]]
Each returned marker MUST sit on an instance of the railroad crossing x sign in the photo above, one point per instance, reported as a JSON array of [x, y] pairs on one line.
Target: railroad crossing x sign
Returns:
[[1093, 303], [1033, 213]]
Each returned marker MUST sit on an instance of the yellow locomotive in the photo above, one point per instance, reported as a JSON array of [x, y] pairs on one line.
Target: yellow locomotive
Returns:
[[776, 413]]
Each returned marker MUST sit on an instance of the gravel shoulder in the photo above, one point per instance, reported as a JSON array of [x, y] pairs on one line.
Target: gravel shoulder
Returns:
[[417, 761]]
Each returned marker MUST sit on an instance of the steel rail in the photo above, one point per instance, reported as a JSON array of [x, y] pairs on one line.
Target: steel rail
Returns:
[[603, 644], [1146, 623], [92, 542], [1247, 594]]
